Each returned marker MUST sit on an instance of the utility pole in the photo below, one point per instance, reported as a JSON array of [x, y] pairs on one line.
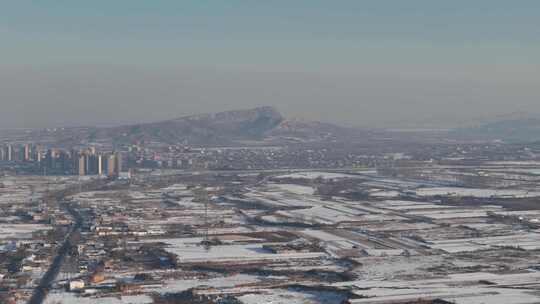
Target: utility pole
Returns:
[[206, 219], [202, 196]]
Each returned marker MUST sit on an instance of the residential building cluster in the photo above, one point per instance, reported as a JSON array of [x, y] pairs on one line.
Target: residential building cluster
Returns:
[[55, 161]]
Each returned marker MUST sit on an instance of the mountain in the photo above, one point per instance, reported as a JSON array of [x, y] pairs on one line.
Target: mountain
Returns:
[[204, 129], [525, 129], [241, 127], [298, 130]]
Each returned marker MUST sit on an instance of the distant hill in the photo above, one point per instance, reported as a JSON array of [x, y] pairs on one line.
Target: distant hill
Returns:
[[262, 125], [525, 129], [218, 128], [266, 125], [298, 130]]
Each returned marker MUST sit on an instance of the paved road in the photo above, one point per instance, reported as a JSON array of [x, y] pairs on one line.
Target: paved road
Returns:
[[41, 291]]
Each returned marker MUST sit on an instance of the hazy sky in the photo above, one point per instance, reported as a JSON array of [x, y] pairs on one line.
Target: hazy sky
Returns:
[[379, 62]]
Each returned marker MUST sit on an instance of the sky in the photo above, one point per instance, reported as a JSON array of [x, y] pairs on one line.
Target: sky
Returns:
[[379, 63]]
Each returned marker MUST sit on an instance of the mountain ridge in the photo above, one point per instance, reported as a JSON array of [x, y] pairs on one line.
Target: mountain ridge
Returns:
[[209, 128]]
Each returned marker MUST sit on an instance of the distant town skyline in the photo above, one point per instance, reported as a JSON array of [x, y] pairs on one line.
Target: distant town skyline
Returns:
[[365, 63]]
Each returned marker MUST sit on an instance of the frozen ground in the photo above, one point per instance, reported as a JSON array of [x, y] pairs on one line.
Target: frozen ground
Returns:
[[389, 268], [474, 192], [524, 240], [314, 175], [284, 296], [459, 288], [190, 250], [172, 286], [296, 189], [20, 231], [71, 298]]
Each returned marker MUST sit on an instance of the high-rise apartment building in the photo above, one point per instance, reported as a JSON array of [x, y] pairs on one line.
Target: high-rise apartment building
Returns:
[[111, 165], [81, 164]]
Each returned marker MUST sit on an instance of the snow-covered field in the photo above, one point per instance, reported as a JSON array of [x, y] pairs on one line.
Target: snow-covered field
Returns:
[[459, 288], [296, 189], [71, 298], [172, 286], [449, 214], [20, 231], [314, 175], [285, 296], [524, 240], [190, 250], [322, 214], [474, 192]]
